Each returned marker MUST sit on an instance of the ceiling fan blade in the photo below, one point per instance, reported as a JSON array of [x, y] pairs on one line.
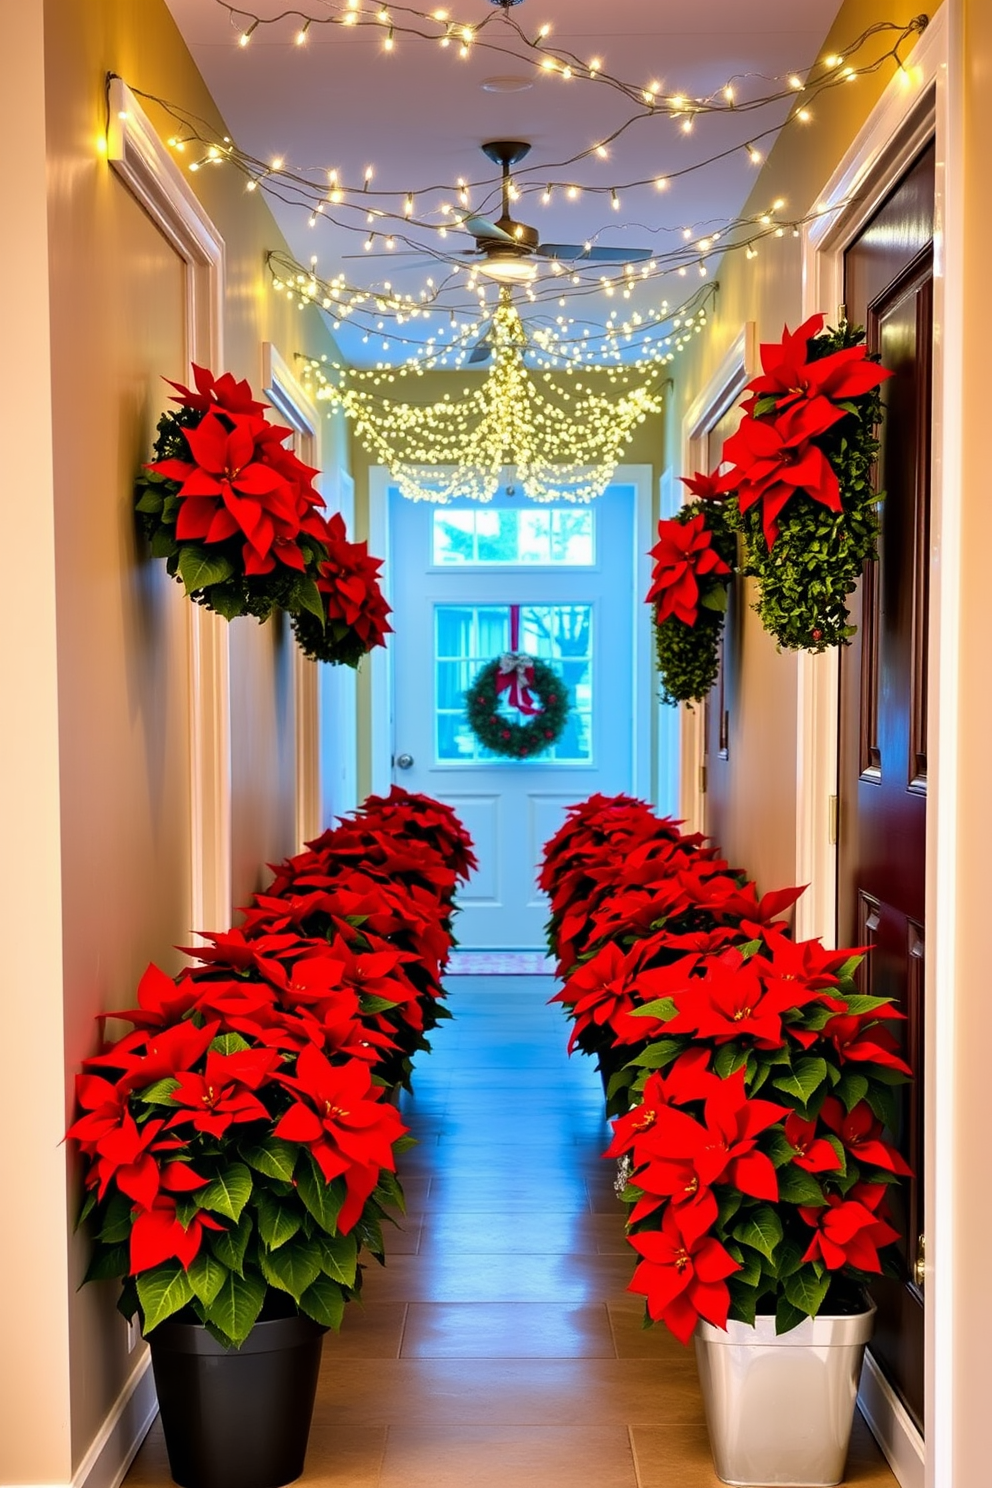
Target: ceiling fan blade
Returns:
[[575, 253], [481, 227]]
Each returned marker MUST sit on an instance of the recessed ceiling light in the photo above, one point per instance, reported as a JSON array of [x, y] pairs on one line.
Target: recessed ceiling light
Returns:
[[507, 84]]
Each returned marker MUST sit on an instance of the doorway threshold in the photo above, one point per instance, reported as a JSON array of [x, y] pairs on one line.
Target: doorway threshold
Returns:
[[499, 963]]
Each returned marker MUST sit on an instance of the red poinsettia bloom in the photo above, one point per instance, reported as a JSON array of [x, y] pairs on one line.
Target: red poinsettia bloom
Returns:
[[223, 1094], [685, 1157], [775, 458], [339, 1115], [349, 582], [848, 1230], [706, 487], [689, 1078], [226, 490], [788, 376], [861, 1039], [158, 1236], [216, 392], [682, 1280], [683, 555], [105, 1106], [861, 1134], [733, 1001], [146, 1057], [813, 1153], [124, 1157]]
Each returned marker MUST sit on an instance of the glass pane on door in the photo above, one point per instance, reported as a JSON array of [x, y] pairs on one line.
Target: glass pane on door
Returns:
[[468, 636]]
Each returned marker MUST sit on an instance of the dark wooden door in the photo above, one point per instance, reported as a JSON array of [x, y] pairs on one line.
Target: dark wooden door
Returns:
[[883, 709]]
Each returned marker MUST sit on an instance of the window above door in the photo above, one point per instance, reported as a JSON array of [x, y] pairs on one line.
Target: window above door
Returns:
[[524, 536]]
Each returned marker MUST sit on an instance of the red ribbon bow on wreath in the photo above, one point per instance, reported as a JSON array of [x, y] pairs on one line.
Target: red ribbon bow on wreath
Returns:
[[516, 672]]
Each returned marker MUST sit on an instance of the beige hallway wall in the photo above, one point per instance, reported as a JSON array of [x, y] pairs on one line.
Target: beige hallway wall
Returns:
[[101, 635]]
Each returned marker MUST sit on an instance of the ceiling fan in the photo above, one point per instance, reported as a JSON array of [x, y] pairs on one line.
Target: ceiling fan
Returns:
[[506, 250]]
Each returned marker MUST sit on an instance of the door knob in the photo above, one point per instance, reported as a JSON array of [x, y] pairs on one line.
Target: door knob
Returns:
[[404, 761]]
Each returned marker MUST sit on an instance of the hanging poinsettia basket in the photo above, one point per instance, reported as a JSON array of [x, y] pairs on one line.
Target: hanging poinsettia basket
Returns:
[[527, 685], [233, 513], [802, 460], [354, 609], [693, 565]]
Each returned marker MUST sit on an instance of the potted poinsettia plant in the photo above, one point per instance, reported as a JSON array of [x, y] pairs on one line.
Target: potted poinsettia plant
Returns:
[[757, 1172], [238, 1153]]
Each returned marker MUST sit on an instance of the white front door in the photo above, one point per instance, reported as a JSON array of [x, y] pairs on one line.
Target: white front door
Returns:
[[456, 571]]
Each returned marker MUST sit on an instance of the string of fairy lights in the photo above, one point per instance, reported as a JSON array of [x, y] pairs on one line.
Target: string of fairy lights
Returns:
[[643, 337], [641, 341], [561, 393], [389, 215], [563, 439]]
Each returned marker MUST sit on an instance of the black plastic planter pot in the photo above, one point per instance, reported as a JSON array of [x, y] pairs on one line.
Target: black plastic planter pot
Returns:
[[236, 1418]]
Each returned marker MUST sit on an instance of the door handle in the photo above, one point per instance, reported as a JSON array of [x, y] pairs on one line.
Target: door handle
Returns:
[[404, 761]]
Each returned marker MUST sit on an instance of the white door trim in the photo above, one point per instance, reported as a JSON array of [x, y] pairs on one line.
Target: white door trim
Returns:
[[381, 720], [925, 99], [141, 160], [718, 395], [290, 399]]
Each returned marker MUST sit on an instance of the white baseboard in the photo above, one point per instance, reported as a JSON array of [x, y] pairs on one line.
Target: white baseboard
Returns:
[[114, 1447], [892, 1426]]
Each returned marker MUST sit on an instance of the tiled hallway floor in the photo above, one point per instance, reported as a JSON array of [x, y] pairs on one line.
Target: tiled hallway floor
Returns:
[[499, 1348]]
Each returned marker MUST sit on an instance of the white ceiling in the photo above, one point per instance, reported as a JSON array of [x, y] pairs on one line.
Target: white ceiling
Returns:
[[419, 113]]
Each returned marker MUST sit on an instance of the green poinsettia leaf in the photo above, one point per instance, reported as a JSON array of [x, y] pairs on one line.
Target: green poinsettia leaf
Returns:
[[206, 1276], [273, 1157], [228, 602], [658, 1055], [151, 500], [277, 1222], [761, 1228], [389, 1191], [162, 1292], [806, 1291], [108, 1262], [116, 1222], [236, 1306], [787, 1316], [229, 1043], [339, 1258], [293, 1267], [163, 544], [715, 598], [322, 1199], [805, 1080], [662, 1007], [199, 568], [851, 1089], [796, 1186], [729, 1059], [308, 597], [324, 1301], [370, 1003], [159, 1094], [230, 1247], [228, 1193]]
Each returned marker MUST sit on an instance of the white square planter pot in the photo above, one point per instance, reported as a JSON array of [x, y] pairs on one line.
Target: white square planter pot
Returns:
[[780, 1409]]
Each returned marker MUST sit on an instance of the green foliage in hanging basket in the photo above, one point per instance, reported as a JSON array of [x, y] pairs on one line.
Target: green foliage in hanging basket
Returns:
[[694, 559], [502, 734], [808, 551]]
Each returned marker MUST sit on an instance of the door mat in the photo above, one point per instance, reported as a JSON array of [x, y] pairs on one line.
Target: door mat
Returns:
[[499, 963]]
